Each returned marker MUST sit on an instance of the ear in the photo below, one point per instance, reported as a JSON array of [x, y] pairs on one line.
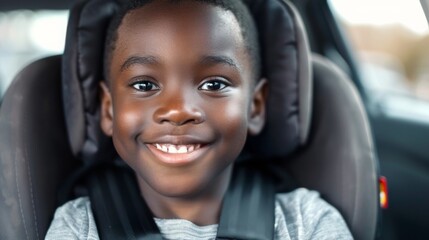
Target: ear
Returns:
[[257, 108], [106, 121]]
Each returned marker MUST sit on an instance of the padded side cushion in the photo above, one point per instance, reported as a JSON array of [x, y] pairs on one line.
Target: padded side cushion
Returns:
[[82, 71], [285, 64], [343, 169], [31, 170]]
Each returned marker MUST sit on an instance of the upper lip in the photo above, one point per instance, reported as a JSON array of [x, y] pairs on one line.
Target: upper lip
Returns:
[[178, 140]]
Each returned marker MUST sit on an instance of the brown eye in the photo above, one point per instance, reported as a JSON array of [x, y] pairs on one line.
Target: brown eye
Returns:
[[145, 86], [213, 85]]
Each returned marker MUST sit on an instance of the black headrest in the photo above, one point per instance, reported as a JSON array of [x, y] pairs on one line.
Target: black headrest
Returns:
[[285, 60]]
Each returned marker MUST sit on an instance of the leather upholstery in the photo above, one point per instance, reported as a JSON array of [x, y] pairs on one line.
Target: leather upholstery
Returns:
[[34, 151], [339, 159]]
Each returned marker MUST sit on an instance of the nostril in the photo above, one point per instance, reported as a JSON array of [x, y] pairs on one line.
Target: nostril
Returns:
[[179, 117]]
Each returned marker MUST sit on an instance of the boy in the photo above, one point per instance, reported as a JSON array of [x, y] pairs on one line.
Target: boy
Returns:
[[181, 94]]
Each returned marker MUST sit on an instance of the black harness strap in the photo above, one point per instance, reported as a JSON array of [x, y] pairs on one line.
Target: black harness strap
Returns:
[[121, 213], [119, 210], [248, 207]]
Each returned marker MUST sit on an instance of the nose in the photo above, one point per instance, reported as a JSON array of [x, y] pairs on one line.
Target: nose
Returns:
[[179, 111]]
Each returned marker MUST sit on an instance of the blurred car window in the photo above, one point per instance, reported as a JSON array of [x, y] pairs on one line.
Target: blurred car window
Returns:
[[391, 39], [27, 36]]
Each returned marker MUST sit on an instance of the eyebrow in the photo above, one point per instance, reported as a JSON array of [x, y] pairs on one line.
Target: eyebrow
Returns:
[[213, 60], [152, 60], [145, 60]]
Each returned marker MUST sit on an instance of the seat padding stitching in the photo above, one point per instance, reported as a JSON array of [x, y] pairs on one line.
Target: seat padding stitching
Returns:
[[31, 196], [19, 199]]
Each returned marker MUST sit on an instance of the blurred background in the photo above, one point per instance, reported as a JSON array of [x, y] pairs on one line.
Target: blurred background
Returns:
[[391, 42], [27, 35]]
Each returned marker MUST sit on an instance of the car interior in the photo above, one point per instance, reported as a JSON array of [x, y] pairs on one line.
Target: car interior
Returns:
[[323, 130], [400, 131]]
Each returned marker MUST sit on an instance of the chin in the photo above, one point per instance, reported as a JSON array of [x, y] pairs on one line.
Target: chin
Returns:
[[199, 179], [181, 187]]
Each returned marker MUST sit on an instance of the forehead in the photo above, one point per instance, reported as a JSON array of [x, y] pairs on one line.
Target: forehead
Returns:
[[176, 28], [183, 17]]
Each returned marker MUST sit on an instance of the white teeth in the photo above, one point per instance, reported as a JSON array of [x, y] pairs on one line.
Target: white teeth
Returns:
[[191, 148], [170, 148], [182, 149]]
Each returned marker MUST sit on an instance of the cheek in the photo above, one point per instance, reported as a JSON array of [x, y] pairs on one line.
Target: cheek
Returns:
[[235, 118], [236, 111], [130, 113], [231, 120], [128, 120]]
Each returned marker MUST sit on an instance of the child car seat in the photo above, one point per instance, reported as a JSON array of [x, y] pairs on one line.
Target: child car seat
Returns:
[[317, 131]]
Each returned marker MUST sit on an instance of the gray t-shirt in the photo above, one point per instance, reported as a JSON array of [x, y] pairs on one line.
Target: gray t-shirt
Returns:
[[300, 214]]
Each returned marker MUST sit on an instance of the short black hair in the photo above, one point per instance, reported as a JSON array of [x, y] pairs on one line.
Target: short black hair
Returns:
[[237, 7]]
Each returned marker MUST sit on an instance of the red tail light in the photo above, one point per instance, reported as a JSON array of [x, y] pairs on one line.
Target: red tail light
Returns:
[[384, 200]]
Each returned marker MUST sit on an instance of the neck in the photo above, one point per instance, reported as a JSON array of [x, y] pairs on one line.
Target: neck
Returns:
[[201, 208]]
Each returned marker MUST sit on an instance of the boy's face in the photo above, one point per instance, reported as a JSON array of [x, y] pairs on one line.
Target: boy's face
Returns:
[[181, 99]]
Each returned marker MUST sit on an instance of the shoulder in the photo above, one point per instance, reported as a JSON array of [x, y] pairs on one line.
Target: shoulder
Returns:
[[302, 199], [302, 214], [73, 220]]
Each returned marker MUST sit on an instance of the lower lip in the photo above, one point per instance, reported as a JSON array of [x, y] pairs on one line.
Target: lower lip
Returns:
[[177, 159]]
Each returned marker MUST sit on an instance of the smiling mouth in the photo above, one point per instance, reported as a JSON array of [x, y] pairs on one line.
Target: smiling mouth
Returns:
[[177, 154], [176, 149]]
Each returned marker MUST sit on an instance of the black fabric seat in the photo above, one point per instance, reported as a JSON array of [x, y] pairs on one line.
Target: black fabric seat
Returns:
[[317, 129]]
